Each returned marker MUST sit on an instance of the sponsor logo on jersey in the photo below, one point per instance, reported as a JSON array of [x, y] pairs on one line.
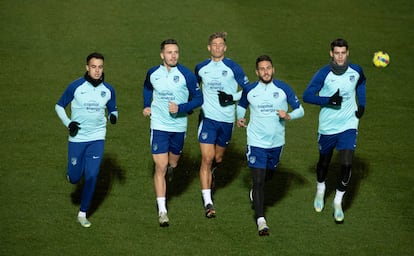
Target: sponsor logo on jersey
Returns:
[[266, 108]]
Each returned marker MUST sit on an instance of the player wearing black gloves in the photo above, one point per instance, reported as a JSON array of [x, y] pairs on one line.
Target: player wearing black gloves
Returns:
[[335, 100], [90, 98], [225, 99], [339, 88], [219, 78]]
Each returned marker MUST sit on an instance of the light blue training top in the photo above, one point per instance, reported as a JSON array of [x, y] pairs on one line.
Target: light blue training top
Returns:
[[88, 106], [225, 76], [351, 85], [179, 85], [265, 129]]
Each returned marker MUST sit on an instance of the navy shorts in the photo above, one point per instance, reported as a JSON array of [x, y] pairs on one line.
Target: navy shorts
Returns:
[[215, 132], [340, 141], [164, 142], [263, 158]]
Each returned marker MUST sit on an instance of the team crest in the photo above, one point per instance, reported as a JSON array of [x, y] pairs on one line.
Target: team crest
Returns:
[[224, 73], [155, 147], [176, 79], [73, 161], [352, 79], [252, 159], [103, 94], [204, 135], [275, 95]]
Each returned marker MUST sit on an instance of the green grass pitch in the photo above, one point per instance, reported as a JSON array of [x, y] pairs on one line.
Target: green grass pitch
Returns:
[[43, 45]]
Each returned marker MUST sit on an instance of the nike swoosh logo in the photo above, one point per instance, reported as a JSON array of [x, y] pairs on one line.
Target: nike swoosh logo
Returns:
[[95, 157]]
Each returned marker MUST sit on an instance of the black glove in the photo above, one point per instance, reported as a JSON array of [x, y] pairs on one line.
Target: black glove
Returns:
[[73, 128], [335, 100], [225, 99], [360, 112], [112, 118]]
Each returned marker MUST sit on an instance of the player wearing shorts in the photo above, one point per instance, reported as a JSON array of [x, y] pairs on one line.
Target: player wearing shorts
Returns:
[[219, 77], [167, 90], [335, 88], [268, 100]]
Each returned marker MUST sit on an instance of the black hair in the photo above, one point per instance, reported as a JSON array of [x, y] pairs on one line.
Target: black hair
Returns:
[[339, 42], [168, 41], [95, 55], [263, 58]]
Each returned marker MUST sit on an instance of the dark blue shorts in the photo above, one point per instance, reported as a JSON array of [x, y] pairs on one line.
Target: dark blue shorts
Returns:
[[214, 132], [340, 141], [164, 142], [263, 158]]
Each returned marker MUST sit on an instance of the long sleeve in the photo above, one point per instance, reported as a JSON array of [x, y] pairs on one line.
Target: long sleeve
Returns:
[[62, 115]]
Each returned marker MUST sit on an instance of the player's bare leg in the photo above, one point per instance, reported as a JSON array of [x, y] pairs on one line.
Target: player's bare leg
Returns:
[[207, 158], [161, 162]]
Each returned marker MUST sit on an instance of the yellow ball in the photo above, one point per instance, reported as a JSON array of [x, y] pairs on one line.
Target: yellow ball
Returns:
[[381, 59]]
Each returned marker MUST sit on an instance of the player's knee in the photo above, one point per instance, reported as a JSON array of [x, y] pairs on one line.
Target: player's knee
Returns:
[[346, 157], [208, 159]]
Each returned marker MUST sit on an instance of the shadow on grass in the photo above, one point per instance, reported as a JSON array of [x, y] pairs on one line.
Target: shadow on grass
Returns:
[[360, 170], [109, 172], [233, 162], [184, 174], [276, 188], [188, 170], [283, 180]]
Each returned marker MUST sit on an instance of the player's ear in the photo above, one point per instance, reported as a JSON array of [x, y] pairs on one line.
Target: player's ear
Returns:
[[331, 54]]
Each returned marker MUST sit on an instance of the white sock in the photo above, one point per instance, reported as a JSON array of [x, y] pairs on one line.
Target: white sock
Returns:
[[161, 205], [260, 220], [82, 214], [338, 197], [206, 196], [320, 187]]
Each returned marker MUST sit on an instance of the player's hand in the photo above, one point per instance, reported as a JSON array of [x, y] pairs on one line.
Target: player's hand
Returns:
[[73, 128], [241, 123], [172, 107], [146, 112], [360, 112], [112, 118], [335, 100], [225, 99], [283, 114]]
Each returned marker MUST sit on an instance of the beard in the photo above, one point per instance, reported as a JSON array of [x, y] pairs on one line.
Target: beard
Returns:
[[266, 81]]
